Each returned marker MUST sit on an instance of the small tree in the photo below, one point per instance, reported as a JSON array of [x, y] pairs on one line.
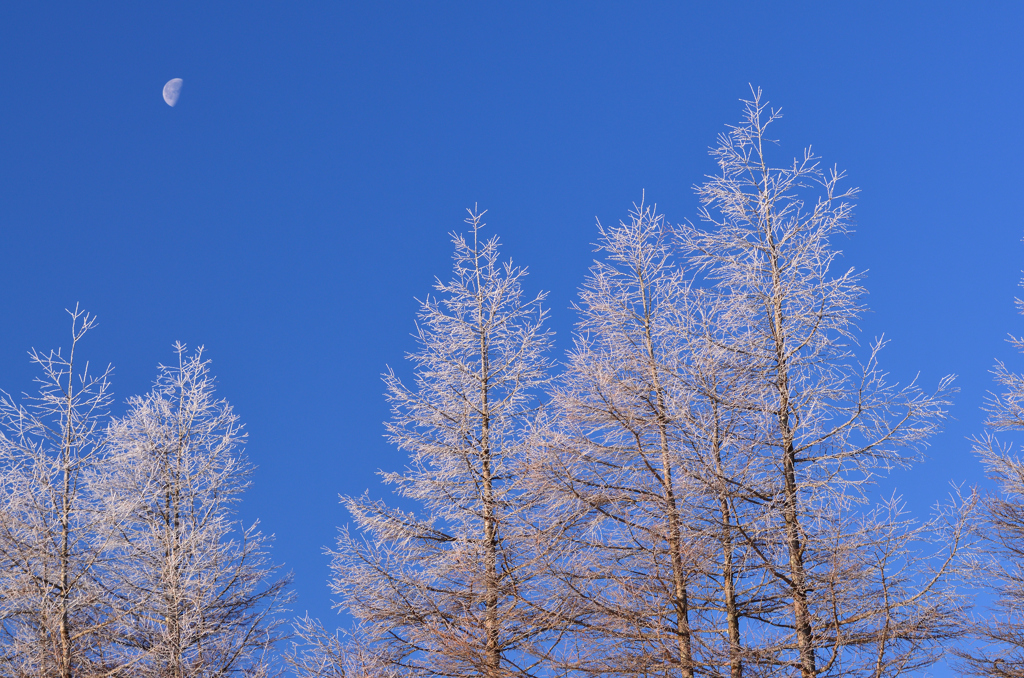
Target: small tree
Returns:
[[318, 653], [53, 608], [449, 592], [204, 595], [859, 598]]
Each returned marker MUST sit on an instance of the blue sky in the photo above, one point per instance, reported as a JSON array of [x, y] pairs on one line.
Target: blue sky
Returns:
[[291, 207]]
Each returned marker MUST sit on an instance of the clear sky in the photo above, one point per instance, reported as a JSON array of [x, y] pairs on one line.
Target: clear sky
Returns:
[[291, 206]]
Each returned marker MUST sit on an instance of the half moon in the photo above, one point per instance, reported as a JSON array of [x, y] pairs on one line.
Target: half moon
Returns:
[[171, 91]]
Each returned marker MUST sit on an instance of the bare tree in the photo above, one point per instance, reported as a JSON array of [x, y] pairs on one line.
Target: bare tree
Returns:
[[53, 609], [205, 598], [448, 592], [1000, 634], [860, 597], [646, 466], [718, 446]]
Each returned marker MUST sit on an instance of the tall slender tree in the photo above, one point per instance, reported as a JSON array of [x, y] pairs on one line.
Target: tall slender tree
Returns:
[[645, 467], [448, 592], [727, 474], [613, 469], [54, 612], [205, 600], [860, 599]]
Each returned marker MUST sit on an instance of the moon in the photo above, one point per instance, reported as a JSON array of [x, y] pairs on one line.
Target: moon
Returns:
[[171, 91]]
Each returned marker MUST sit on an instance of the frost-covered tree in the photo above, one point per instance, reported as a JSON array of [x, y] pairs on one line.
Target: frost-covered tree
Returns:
[[639, 438], [449, 591], [205, 598], [999, 650], [727, 473], [54, 612], [859, 597], [649, 467]]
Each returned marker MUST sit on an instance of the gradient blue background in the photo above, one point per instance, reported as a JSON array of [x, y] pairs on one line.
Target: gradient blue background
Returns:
[[289, 209]]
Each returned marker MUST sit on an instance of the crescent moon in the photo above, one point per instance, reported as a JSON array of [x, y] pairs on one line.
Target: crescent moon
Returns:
[[171, 91]]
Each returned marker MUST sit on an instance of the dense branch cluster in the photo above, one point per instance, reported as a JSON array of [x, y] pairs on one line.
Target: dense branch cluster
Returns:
[[692, 491]]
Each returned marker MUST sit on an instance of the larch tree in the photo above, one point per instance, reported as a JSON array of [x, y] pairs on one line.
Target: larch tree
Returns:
[[612, 470], [860, 591], [717, 448], [205, 599], [998, 649], [644, 469], [54, 610], [449, 591]]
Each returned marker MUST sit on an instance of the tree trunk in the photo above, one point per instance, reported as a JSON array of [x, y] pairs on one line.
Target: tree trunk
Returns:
[[732, 619], [680, 599], [65, 575], [790, 504], [65, 536], [491, 621]]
